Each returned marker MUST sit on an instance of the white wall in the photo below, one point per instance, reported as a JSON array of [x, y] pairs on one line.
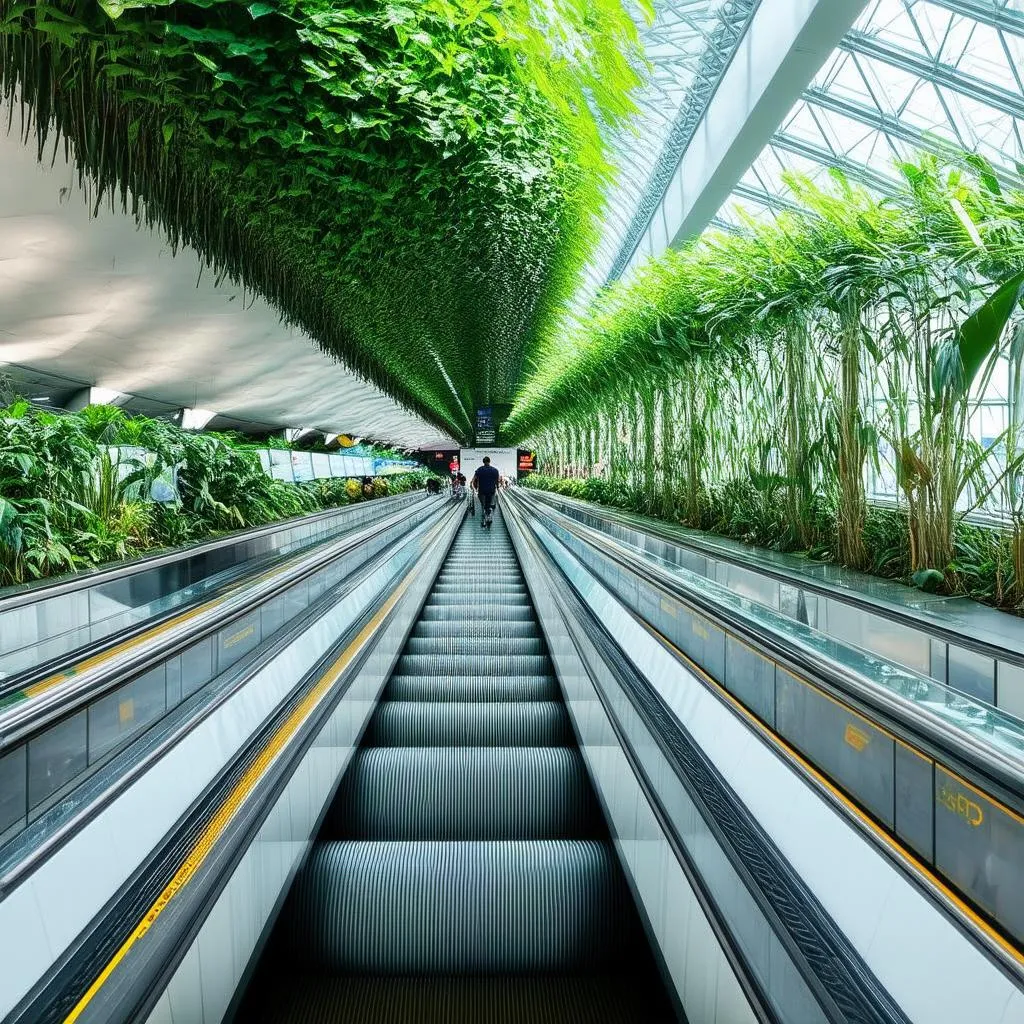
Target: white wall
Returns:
[[504, 460]]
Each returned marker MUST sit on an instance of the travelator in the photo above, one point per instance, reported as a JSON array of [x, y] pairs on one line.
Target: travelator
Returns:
[[528, 774]]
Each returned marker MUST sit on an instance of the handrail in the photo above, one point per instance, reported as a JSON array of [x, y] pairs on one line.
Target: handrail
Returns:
[[68, 692], [710, 547], [790, 641], [40, 590], [202, 847], [678, 701]]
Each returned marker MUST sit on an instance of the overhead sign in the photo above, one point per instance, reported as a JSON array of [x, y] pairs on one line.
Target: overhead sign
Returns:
[[526, 462], [484, 426]]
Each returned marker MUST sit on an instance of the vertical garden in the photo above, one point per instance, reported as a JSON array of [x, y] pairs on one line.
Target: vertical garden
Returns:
[[820, 382], [413, 184]]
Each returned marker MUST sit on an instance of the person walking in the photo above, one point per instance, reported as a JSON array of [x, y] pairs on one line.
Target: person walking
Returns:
[[485, 483]]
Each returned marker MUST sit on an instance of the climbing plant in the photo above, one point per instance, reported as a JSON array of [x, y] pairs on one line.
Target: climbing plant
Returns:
[[414, 184]]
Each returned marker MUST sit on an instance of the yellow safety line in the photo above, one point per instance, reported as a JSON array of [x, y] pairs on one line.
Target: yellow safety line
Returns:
[[985, 796], [814, 688], [110, 653], [902, 852], [239, 793], [241, 790]]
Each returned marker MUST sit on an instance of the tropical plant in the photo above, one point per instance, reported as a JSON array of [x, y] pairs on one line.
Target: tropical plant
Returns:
[[75, 489], [798, 360]]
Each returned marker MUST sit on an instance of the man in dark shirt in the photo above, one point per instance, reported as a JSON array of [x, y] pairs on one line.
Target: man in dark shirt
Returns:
[[485, 483]]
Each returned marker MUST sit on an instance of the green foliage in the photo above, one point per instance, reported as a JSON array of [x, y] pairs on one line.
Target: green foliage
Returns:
[[414, 184], [752, 383], [980, 334], [67, 503]]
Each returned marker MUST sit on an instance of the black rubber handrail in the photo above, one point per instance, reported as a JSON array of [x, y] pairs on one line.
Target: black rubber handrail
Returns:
[[42, 590], [845, 987], [980, 761], [55, 995], [19, 721]]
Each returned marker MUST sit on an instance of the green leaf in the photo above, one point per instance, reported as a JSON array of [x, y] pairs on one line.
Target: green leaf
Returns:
[[980, 333], [260, 10]]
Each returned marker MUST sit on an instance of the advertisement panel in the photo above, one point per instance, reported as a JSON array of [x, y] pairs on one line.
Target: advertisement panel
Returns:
[[503, 459], [302, 466]]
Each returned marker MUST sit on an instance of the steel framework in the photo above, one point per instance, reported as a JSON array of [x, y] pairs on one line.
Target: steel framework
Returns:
[[939, 76]]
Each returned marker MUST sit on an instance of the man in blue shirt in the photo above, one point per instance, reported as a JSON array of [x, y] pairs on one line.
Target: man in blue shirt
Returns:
[[485, 483]]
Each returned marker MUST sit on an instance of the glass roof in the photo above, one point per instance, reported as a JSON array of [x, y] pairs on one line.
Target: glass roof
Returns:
[[689, 45], [911, 75]]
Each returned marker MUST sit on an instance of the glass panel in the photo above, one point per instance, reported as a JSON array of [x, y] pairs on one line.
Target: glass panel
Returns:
[[126, 711], [13, 788], [56, 757]]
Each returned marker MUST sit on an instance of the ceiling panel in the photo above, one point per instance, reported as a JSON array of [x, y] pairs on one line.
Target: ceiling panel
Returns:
[[102, 302]]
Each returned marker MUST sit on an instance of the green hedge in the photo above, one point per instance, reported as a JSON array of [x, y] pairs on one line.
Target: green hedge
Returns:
[[983, 568]]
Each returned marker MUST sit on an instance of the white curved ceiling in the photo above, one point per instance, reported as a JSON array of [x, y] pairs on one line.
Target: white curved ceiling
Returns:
[[102, 302]]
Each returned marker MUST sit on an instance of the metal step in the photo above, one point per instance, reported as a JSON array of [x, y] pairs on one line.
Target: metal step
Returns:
[[473, 665], [472, 646], [298, 998], [475, 627], [473, 689], [406, 723], [479, 793], [466, 599], [456, 612], [459, 908]]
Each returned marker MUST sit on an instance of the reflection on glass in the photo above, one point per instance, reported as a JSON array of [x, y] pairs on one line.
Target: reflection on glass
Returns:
[[56, 757], [126, 711], [973, 716]]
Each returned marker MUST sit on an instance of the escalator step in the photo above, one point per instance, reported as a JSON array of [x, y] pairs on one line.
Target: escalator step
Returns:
[[449, 793], [578, 999], [434, 724], [453, 575], [464, 598], [455, 613], [504, 585], [460, 908], [473, 689], [476, 627], [472, 665], [469, 646]]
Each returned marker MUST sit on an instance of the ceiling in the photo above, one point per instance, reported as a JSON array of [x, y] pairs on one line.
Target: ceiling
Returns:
[[941, 76], [94, 300]]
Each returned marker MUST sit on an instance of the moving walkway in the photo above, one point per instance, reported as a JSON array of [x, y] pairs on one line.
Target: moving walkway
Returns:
[[519, 784], [53, 630]]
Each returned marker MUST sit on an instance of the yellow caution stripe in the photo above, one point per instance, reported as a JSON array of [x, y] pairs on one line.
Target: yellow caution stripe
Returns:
[[242, 789]]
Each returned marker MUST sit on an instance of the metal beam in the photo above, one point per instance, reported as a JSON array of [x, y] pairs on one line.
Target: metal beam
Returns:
[[786, 44], [934, 71], [769, 199], [858, 171], [721, 49], [987, 13], [871, 117]]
